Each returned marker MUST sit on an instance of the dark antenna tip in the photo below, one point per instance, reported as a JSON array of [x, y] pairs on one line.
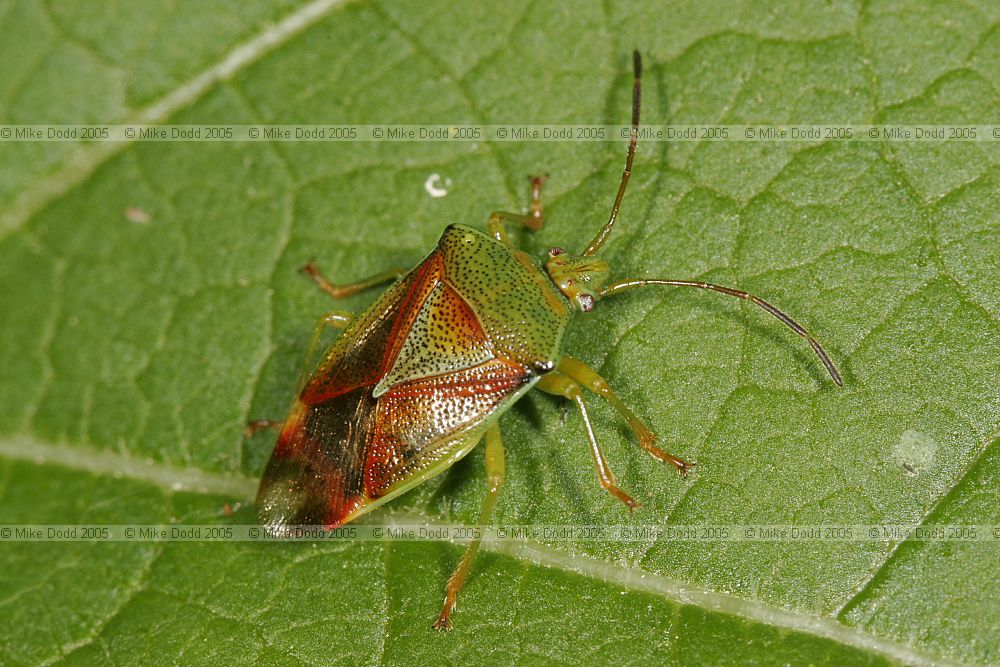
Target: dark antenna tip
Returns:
[[602, 235]]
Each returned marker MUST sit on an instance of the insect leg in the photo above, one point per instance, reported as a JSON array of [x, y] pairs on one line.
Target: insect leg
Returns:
[[337, 319], [561, 385], [589, 378], [341, 291], [259, 425], [494, 480], [533, 220], [739, 294]]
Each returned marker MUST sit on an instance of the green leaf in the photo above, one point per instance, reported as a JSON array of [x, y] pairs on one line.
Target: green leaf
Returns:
[[134, 352]]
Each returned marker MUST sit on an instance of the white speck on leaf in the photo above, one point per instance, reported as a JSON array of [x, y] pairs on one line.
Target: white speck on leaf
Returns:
[[915, 451], [137, 215], [434, 184]]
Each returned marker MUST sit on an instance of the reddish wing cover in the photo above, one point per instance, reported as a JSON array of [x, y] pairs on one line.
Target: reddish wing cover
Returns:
[[399, 392]]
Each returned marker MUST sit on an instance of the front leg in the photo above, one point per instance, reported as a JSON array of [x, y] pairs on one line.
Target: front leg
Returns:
[[533, 220], [589, 378]]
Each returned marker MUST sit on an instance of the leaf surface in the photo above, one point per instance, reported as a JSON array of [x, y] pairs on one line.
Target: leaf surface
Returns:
[[134, 352]]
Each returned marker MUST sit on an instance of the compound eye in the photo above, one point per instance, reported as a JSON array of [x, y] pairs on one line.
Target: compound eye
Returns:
[[556, 251], [586, 302]]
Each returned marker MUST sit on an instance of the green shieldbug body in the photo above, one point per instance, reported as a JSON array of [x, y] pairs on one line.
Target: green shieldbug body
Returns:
[[421, 376]]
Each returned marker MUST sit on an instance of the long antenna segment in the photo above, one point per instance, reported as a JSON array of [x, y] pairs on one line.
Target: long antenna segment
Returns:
[[602, 235]]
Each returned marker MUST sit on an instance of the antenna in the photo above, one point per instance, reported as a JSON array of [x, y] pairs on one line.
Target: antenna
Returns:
[[602, 235]]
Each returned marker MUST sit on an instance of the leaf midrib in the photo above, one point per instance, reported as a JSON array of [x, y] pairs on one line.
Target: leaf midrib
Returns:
[[173, 479], [82, 162]]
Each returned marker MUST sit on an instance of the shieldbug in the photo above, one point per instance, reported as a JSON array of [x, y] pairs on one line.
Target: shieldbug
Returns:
[[419, 378]]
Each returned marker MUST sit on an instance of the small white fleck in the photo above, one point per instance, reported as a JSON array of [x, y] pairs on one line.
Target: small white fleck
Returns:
[[915, 451], [137, 215], [433, 185]]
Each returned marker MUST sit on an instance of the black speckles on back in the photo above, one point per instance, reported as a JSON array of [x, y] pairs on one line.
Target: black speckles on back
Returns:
[[444, 337], [518, 306]]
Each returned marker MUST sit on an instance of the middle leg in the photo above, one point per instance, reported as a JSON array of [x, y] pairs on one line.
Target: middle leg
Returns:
[[347, 289], [562, 385], [589, 378]]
